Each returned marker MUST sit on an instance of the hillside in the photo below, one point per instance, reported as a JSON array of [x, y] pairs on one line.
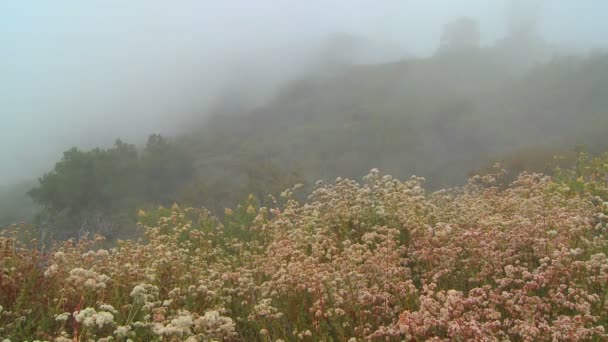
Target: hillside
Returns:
[[446, 117], [443, 117]]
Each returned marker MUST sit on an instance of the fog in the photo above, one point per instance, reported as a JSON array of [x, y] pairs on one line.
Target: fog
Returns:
[[83, 73]]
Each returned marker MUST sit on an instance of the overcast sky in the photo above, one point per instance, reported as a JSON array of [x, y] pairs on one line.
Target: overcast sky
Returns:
[[86, 72]]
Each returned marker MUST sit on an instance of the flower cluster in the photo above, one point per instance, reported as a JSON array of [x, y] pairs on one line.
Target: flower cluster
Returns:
[[381, 259]]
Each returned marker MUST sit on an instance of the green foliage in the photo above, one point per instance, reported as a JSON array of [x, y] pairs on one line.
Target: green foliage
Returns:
[[99, 190], [166, 168], [589, 176], [83, 181]]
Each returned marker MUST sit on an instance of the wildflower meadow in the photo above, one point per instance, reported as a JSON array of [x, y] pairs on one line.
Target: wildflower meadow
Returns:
[[381, 259]]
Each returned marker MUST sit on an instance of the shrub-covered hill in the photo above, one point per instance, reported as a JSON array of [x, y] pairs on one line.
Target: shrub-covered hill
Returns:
[[383, 259], [441, 116]]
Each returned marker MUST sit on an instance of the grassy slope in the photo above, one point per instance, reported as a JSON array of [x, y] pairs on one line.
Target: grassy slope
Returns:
[[442, 117]]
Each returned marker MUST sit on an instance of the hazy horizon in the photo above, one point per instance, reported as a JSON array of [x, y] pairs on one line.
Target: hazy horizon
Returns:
[[86, 73]]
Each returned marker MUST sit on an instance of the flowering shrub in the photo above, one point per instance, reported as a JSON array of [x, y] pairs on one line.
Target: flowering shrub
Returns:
[[379, 260]]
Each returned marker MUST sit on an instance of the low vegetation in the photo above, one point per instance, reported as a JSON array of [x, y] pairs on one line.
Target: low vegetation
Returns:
[[383, 259]]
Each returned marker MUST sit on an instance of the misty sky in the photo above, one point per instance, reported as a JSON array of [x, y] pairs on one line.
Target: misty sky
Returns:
[[86, 72]]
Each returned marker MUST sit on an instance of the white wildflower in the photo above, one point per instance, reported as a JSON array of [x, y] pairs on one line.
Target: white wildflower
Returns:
[[62, 317], [102, 253], [108, 308], [103, 318], [122, 331], [576, 251], [51, 271]]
